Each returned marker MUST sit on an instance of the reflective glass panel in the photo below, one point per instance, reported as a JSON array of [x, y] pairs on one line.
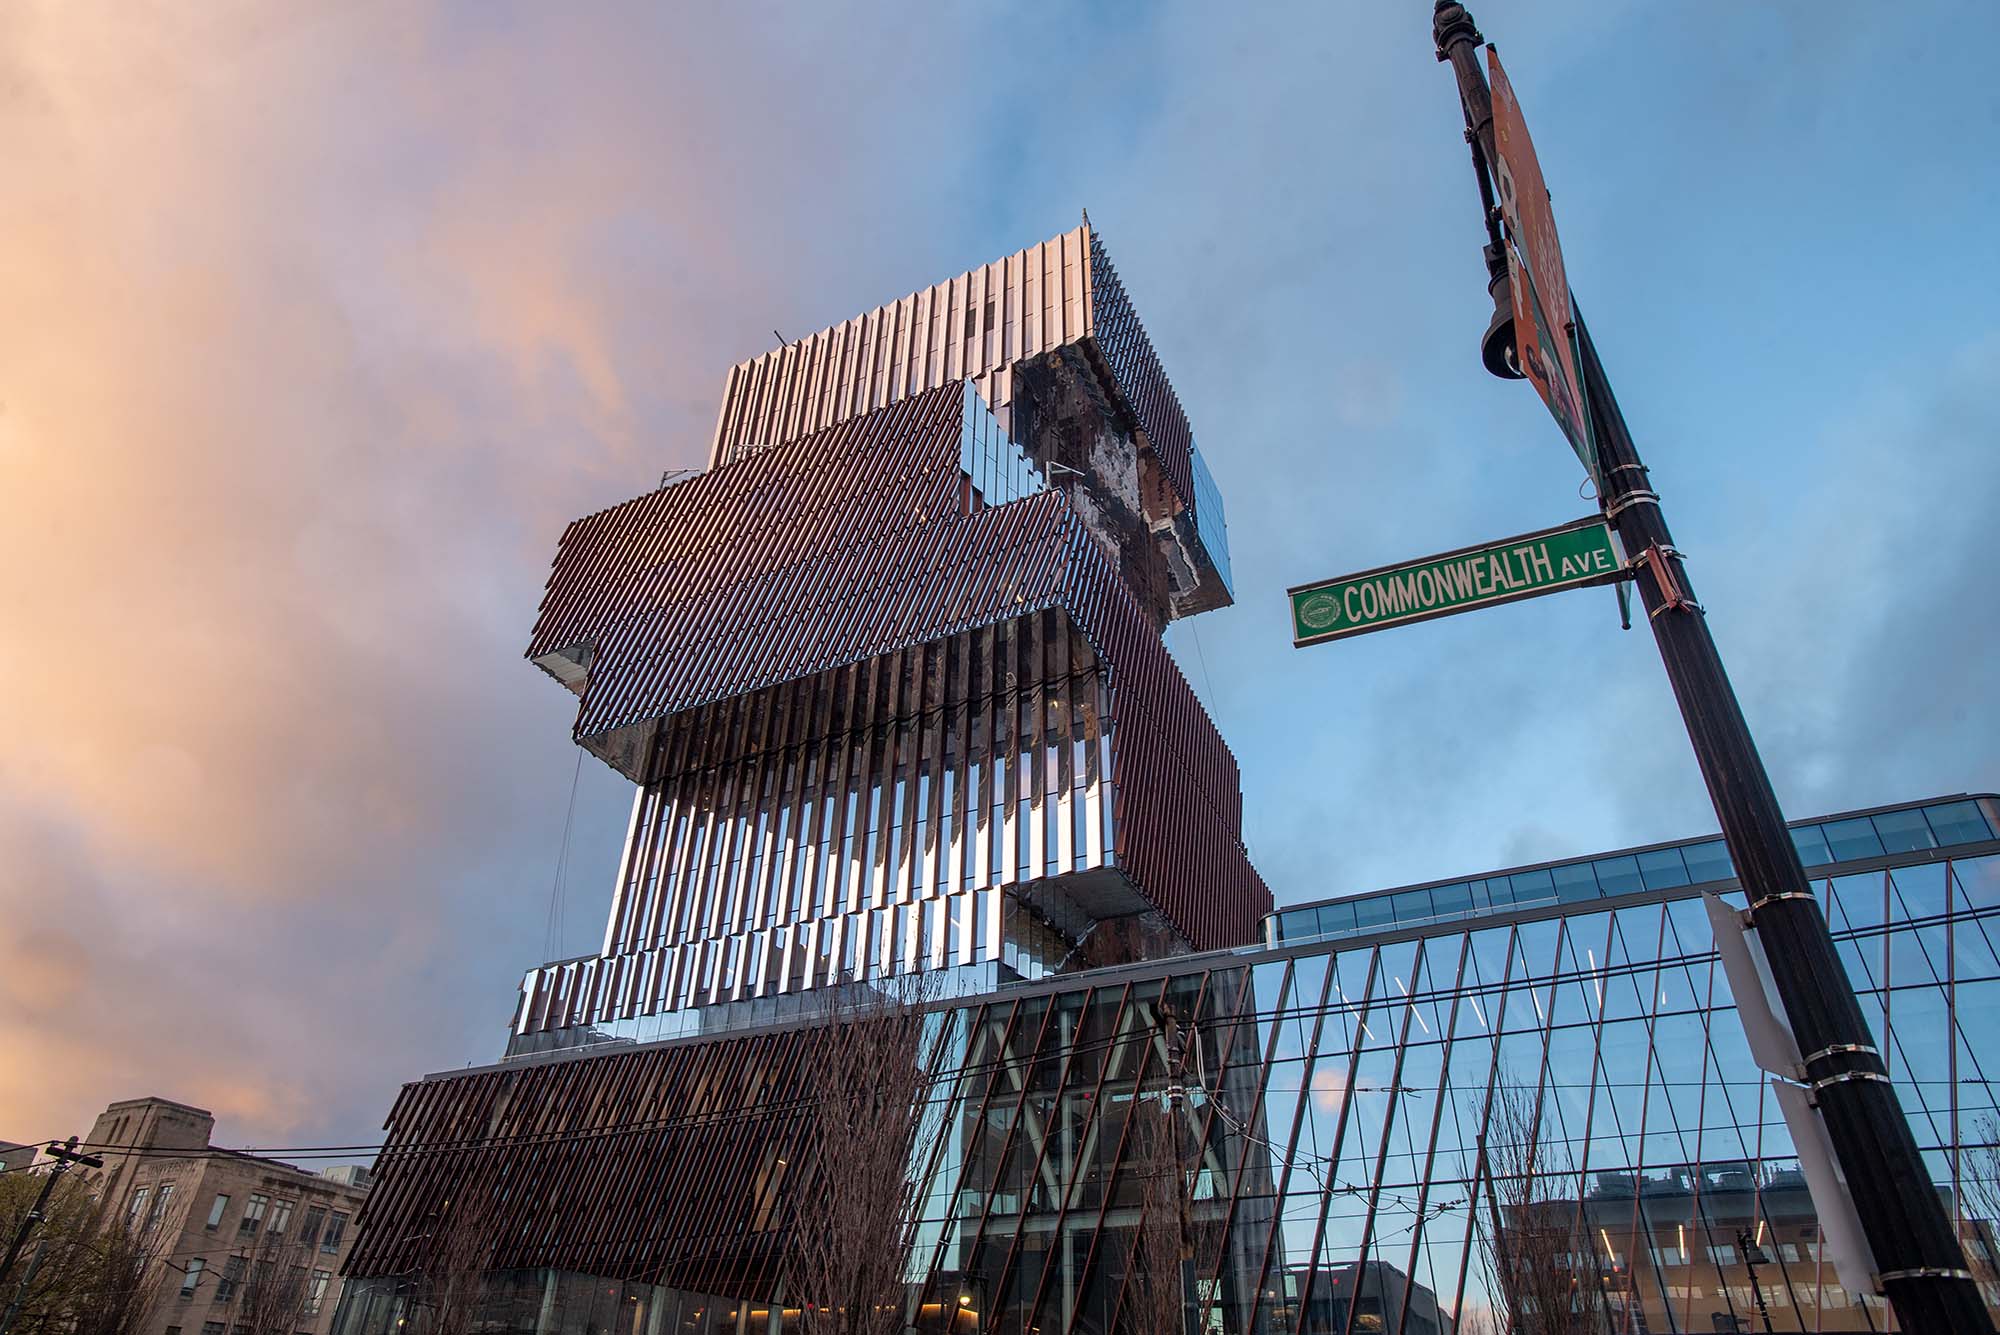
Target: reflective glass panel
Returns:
[[1853, 838], [1708, 861], [1620, 875], [1662, 869], [1575, 881], [1452, 898], [1811, 843], [1532, 887], [1336, 918], [1957, 823], [1376, 912], [1902, 831]]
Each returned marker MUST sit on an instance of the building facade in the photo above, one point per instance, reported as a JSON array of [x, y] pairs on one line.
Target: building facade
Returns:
[[889, 679], [889, 683], [239, 1242], [1377, 1116]]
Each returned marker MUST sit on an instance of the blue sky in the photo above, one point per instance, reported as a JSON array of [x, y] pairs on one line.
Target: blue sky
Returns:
[[333, 321]]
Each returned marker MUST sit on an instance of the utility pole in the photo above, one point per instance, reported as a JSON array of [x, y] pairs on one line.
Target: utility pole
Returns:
[[1919, 1263], [1751, 1254], [64, 1155]]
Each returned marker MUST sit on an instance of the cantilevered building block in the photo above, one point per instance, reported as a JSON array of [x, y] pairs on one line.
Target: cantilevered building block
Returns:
[[893, 692]]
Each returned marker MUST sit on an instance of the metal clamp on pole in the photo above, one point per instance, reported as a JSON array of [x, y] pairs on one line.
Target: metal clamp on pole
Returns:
[[1671, 596], [1837, 1049], [1636, 496], [1781, 896]]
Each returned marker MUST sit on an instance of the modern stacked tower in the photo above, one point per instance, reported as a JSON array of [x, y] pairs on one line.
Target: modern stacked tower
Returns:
[[889, 676]]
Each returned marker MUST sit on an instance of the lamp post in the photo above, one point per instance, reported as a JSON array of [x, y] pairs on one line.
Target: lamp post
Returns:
[[1919, 1263]]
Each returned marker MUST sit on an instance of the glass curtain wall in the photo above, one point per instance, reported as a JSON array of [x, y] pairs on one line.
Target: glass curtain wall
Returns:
[[1551, 1124]]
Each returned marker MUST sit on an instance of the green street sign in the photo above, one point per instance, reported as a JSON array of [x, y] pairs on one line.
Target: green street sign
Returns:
[[1569, 557]]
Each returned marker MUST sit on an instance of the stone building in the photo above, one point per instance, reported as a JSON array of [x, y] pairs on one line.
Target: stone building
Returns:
[[242, 1242]]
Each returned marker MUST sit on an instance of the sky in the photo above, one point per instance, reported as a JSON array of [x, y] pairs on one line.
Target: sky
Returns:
[[321, 321]]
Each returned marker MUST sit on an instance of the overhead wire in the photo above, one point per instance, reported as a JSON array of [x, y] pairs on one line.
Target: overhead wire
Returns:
[[970, 1070], [555, 928]]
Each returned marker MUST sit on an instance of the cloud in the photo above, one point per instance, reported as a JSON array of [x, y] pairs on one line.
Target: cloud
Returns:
[[322, 324], [287, 444]]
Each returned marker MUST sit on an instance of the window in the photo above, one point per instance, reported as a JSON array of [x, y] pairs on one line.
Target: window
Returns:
[[1810, 840], [253, 1213], [211, 1328], [281, 1218], [1375, 912], [1708, 861], [1956, 822], [192, 1275], [1903, 831], [1852, 838], [1532, 887], [309, 1232], [1454, 898], [165, 1194], [1619, 875], [316, 1291], [1574, 882], [1662, 869], [136, 1211], [334, 1228], [232, 1275], [215, 1211]]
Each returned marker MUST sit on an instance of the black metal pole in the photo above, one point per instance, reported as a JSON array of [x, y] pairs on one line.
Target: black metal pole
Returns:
[[28, 1222], [64, 1155], [1919, 1262]]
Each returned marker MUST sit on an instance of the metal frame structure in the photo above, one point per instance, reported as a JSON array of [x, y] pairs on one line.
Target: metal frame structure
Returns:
[[890, 680], [1341, 1105]]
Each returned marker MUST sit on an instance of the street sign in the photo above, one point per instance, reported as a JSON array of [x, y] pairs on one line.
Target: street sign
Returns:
[[1569, 557], [1544, 327]]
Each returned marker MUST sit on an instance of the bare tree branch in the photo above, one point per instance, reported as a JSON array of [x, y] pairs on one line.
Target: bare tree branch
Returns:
[[459, 1250], [1527, 1225], [852, 1186], [272, 1292], [1155, 1298]]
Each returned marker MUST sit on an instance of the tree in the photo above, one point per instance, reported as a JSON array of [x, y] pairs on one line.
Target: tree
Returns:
[[1528, 1229], [451, 1280], [272, 1292], [83, 1272], [128, 1278], [1154, 1302], [853, 1219], [1979, 1190]]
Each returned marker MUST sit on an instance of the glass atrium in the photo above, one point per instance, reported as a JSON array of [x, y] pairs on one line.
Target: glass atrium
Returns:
[[1458, 1115]]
